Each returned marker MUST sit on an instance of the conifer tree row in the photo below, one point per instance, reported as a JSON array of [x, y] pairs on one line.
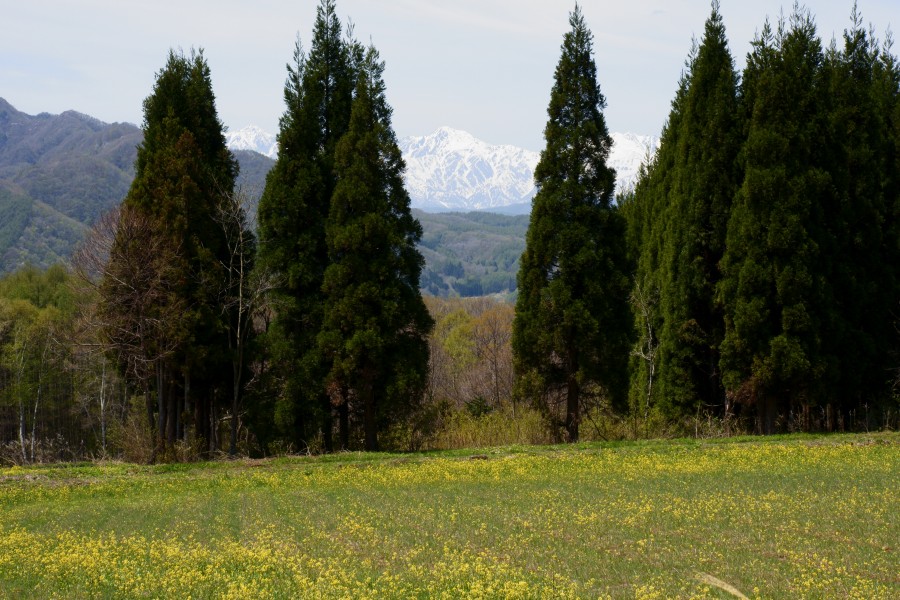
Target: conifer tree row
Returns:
[[765, 234], [293, 212], [686, 214], [375, 324], [774, 291]]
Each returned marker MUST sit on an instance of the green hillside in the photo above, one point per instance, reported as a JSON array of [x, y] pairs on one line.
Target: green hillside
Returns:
[[58, 173], [471, 254], [31, 232]]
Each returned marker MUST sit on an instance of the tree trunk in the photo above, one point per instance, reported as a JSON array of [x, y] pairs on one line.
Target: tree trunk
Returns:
[[161, 401], [179, 412], [235, 401], [370, 421], [22, 428], [172, 414], [572, 412], [213, 427], [344, 423], [103, 407], [327, 424], [300, 441], [148, 403], [188, 408], [767, 414], [37, 402]]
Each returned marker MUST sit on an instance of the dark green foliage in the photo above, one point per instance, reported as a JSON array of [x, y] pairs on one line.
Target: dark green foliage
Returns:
[[375, 322], [685, 200], [861, 249], [571, 330], [292, 215], [184, 176], [795, 299], [644, 209], [774, 288]]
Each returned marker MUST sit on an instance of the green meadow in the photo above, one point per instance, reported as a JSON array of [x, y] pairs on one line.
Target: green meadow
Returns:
[[787, 517]]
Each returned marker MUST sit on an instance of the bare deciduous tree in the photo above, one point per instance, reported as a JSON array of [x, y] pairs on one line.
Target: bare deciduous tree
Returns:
[[138, 316], [644, 301], [243, 293]]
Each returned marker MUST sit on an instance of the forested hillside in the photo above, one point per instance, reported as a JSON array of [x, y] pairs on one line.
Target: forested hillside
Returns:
[[471, 254], [58, 173]]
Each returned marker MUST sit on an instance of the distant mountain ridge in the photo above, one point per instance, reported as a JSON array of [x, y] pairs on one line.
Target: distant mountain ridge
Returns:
[[452, 170], [254, 139], [59, 172]]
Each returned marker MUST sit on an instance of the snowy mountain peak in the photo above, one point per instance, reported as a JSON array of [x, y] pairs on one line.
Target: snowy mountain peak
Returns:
[[629, 151], [252, 138], [452, 170]]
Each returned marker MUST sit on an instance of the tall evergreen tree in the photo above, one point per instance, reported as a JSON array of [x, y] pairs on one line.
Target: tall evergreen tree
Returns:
[[375, 322], [292, 214], [863, 245], [775, 295], [571, 331], [184, 173], [645, 212], [695, 212]]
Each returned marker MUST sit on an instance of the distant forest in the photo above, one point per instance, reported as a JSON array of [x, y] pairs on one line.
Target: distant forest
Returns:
[[749, 283]]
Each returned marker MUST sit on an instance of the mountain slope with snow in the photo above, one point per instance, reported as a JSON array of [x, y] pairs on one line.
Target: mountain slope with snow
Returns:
[[452, 170], [252, 138], [629, 151]]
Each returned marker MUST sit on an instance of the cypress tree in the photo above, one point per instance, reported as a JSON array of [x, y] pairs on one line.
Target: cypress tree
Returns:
[[646, 213], [571, 331], [375, 322], [184, 173], [292, 214], [862, 247], [775, 296], [695, 207]]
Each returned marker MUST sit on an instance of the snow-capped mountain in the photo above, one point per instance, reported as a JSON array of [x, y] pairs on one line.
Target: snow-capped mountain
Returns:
[[252, 138], [629, 151], [452, 170]]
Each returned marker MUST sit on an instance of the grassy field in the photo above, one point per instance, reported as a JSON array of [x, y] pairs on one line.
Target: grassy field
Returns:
[[796, 517]]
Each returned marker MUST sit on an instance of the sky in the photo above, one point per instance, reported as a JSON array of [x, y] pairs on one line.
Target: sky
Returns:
[[484, 66]]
